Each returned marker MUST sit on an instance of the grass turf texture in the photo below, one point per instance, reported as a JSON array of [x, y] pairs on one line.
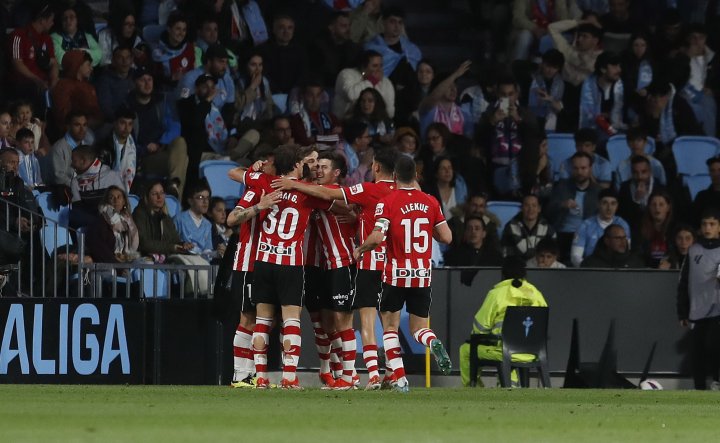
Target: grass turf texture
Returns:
[[53, 413]]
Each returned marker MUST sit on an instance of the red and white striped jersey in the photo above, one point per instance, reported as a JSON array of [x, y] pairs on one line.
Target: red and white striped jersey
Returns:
[[412, 215], [367, 195], [311, 244], [249, 233], [338, 239], [283, 230]]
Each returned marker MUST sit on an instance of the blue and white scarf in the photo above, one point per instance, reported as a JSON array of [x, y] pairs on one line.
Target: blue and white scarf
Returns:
[[216, 130], [538, 106], [667, 123]]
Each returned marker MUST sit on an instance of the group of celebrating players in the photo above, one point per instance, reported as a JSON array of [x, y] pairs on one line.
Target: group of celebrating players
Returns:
[[304, 240]]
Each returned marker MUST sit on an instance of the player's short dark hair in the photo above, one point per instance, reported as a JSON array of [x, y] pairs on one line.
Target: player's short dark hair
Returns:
[[635, 159], [286, 158], [85, 152], [386, 158], [554, 58], [405, 169], [263, 152], [549, 245], [24, 133], [337, 161], [585, 135], [582, 155]]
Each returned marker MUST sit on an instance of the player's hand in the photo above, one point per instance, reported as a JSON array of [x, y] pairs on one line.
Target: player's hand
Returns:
[[153, 147], [684, 323], [462, 69], [283, 184], [348, 218], [269, 200], [357, 254], [258, 165]]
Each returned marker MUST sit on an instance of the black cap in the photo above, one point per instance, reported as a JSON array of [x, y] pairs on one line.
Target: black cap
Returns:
[[203, 78], [216, 50], [140, 71]]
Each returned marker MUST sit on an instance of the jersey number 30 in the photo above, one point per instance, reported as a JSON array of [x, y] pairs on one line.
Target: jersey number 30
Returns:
[[285, 224], [416, 237]]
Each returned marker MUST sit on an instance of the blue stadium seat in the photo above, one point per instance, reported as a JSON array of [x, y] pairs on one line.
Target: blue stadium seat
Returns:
[[151, 33], [691, 152], [560, 147], [618, 150], [133, 201], [281, 101], [697, 183], [216, 173], [151, 289], [55, 240], [60, 215], [504, 210], [173, 205]]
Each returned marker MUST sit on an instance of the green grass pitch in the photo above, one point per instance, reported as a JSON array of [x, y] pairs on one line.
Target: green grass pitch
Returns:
[[59, 413]]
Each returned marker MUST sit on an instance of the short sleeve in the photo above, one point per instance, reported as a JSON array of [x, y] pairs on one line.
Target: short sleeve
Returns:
[[249, 199], [382, 210], [357, 194], [439, 217], [258, 181]]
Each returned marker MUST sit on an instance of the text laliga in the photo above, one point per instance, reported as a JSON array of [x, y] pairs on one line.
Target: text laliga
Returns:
[[15, 328]]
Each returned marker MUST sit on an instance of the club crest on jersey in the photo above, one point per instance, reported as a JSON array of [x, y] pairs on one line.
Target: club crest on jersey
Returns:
[[249, 196], [356, 189], [412, 273], [379, 208]]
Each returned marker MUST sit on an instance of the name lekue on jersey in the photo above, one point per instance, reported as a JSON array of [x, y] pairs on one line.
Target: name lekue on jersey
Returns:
[[411, 207]]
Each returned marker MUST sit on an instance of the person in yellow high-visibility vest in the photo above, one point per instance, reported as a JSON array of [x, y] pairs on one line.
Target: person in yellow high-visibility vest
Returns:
[[513, 290]]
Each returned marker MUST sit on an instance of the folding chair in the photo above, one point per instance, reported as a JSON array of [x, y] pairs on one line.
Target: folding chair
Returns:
[[61, 215], [692, 152], [618, 149], [524, 331], [560, 147], [504, 210], [133, 201], [173, 205], [697, 183]]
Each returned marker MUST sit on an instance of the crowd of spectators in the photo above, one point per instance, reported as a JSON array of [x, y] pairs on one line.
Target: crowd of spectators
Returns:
[[93, 116]]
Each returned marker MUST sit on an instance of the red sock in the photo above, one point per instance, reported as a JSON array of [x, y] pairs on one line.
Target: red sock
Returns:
[[349, 352], [336, 354], [291, 348], [322, 343], [242, 354], [261, 332], [424, 336], [392, 354], [370, 355]]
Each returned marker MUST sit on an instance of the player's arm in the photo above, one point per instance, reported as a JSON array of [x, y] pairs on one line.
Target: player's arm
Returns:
[[374, 239], [442, 233], [238, 174], [321, 192], [240, 215], [339, 207]]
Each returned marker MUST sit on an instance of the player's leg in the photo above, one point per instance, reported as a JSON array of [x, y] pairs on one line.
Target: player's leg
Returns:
[[289, 282], [418, 306], [367, 299], [313, 294], [266, 300], [391, 341], [342, 296], [243, 360]]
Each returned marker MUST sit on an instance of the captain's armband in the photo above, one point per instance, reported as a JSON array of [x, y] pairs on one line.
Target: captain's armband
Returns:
[[382, 225]]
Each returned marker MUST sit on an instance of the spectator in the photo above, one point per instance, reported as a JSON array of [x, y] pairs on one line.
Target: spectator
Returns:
[[513, 290], [5, 122], [572, 201], [57, 168], [160, 150], [506, 131], [241, 24], [619, 20], [407, 141], [476, 206], [613, 251], [544, 175], [311, 125], [668, 36], [440, 106], [696, 306], [666, 116], [546, 255], [370, 108], [366, 21], [22, 117], [704, 83], [207, 35], [683, 239], [637, 73], [522, 234], [74, 92], [407, 100], [531, 20], [352, 81], [35, 68], [69, 36], [215, 63], [400, 55], [122, 30], [173, 55], [217, 214], [474, 99], [602, 97], [115, 239], [254, 99], [280, 133], [580, 56], [474, 250], [29, 166], [193, 227], [88, 185], [118, 150], [591, 229], [158, 236], [355, 147], [115, 82], [710, 197], [586, 140], [635, 193], [334, 51], [637, 142], [656, 230], [447, 187], [284, 57], [545, 94]]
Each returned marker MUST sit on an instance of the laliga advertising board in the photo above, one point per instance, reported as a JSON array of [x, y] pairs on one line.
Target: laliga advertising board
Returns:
[[71, 341]]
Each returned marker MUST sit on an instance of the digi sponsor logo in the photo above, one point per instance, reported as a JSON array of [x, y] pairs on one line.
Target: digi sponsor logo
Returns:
[[277, 250], [412, 273]]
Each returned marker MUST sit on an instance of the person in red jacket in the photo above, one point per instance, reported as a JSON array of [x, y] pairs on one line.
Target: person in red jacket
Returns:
[[74, 92]]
